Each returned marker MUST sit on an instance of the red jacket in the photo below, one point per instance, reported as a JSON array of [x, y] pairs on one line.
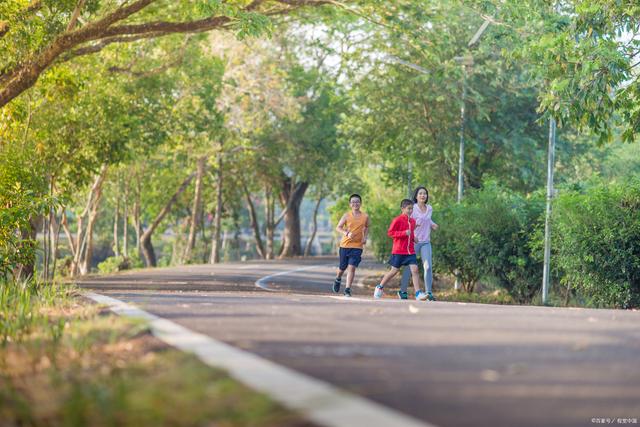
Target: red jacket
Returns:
[[402, 244]]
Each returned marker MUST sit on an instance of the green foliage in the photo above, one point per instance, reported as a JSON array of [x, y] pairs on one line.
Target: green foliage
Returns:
[[22, 197], [119, 263], [585, 52], [596, 243], [401, 114], [381, 214], [488, 234]]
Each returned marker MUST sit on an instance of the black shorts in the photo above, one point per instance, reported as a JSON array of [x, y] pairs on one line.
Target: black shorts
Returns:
[[350, 256], [398, 261]]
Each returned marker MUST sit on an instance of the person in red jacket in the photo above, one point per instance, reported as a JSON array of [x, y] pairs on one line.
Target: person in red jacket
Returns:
[[403, 252]]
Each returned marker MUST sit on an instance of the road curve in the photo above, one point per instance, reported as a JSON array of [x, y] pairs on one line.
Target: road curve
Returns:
[[448, 364]]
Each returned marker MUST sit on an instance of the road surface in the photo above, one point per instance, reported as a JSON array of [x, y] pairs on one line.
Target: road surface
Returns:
[[448, 364]]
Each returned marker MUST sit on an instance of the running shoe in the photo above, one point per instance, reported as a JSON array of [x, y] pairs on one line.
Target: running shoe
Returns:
[[347, 292], [421, 296], [430, 296], [378, 292], [336, 285], [403, 295]]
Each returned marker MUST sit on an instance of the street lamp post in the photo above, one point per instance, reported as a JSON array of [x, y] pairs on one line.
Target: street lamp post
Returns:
[[464, 61], [461, 155], [409, 173], [547, 220]]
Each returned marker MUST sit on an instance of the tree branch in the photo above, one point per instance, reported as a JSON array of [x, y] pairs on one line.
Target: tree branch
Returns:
[[74, 16], [25, 75], [95, 48]]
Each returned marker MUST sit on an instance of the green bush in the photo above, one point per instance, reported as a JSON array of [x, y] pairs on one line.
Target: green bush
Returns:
[[119, 263], [488, 234], [23, 196], [381, 215], [596, 243]]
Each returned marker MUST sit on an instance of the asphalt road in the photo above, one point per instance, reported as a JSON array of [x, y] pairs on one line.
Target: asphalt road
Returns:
[[450, 364]]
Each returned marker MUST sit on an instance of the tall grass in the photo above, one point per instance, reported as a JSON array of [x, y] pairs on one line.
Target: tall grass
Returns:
[[22, 309]]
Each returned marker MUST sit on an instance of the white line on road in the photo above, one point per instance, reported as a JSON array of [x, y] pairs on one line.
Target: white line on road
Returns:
[[262, 282], [319, 401]]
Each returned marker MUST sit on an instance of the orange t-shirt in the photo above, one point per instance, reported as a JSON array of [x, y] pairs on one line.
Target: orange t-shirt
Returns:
[[356, 226]]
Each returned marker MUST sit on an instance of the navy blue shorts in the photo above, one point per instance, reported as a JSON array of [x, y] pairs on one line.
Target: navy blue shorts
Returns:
[[399, 260], [350, 256]]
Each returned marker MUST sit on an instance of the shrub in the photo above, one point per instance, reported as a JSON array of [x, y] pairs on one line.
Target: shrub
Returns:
[[381, 215], [23, 196], [596, 243], [488, 234], [119, 263]]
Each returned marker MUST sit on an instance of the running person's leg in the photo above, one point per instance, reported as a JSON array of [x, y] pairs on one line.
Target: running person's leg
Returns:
[[415, 276], [354, 257], [341, 268], [379, 291], [404, 282], [426, 255], [395, 261]]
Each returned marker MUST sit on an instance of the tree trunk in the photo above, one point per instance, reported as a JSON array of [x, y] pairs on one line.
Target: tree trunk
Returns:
[[125, 222], [93, 216], [269, 208], [196, 210], [215, 247], [116, 217], [205, 241], [314, 229], [27, 271], [254, 223], [148, 253], [136, 214], [80, 244], [145, 239], [46, 240], [292, 196], [55, 226]]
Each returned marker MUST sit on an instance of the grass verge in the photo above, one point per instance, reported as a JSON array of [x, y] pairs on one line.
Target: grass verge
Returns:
[[67, 362]]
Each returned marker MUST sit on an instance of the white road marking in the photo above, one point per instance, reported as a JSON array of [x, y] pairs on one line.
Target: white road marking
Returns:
[[262, 282], [343, 298], [317, 400]]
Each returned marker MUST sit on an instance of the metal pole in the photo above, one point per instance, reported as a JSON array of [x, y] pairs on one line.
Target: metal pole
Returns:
[[410, 170], [547, 220], [458, 283], [461, 156]]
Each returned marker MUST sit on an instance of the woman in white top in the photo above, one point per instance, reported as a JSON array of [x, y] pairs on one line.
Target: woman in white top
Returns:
[[424, 224]]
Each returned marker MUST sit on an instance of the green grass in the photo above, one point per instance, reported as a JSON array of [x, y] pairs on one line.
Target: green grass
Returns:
[[65, 362]]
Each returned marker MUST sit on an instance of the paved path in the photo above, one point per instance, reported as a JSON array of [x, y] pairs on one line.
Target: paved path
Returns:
[[449, 364]]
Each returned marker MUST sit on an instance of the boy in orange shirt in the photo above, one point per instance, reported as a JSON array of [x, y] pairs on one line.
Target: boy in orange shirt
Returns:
[[403, 252], [354, 227]]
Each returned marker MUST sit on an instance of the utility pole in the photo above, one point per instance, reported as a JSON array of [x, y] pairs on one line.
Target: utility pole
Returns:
[[465, 61], [409, 178], [547, 220]]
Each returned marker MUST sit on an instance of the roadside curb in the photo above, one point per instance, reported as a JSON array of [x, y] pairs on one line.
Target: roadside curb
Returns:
[[317, 400]]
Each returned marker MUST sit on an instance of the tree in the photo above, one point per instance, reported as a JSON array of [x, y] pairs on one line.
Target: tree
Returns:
[[586, 53], [408, 122], [70, 30]]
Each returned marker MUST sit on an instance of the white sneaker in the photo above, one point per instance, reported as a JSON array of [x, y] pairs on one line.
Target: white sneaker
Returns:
[[378, 292]]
